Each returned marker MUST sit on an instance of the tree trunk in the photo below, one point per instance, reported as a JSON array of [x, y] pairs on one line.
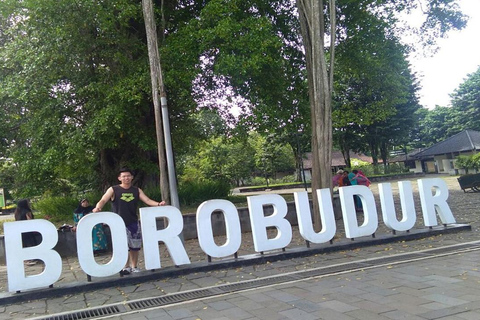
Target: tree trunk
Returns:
[[158, 90], [312, 28]]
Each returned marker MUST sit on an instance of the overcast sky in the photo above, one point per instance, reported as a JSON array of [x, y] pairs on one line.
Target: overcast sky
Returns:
[[458, 56]]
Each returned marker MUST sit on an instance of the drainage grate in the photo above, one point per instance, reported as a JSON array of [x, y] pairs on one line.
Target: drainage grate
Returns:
[[85, 314], [330, 270], [171, 299], [234, 287]]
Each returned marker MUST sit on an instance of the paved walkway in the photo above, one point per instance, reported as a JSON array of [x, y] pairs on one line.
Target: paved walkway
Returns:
[[440, 288], [306, 297]]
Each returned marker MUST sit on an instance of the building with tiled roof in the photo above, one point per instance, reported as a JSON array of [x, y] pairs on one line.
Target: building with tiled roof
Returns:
[[440, 158]]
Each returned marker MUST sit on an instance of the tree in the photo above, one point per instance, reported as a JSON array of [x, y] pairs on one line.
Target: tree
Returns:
[[437, 125], [320, 81], [272, 155], [441, 16], [74, 77], [466, 103], [220, 159]]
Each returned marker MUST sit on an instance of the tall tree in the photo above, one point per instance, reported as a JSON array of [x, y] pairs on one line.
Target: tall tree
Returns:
[[466, 103], [320, 80]]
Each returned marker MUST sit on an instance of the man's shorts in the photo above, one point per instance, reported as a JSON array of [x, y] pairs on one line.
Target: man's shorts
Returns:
[[134, 236]]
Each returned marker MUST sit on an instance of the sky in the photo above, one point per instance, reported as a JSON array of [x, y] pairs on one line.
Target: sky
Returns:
[[459, 55]]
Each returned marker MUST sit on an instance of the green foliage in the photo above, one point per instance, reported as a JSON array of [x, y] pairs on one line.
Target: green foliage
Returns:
[[466, 103], [60, 209], [219, 158], [437, 125], [468, 162], [76, 98], [464, 162], [56, 209], [272, 155], [195, 192]]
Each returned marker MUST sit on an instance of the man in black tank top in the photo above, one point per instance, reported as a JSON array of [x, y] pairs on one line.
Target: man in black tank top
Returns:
[[125, 199]]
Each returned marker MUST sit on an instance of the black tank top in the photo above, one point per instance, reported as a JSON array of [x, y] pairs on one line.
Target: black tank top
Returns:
[[125, 203]]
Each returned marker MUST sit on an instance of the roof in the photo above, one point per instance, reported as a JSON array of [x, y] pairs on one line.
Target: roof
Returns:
[[411, 156], [468, 140], [337, 159]]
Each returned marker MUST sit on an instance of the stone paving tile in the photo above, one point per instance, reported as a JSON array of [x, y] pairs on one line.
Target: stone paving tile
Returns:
[[469, 315], [372, 306], [338, 306], [282, 296], [445, 299], [265, 313], [329, 314], [245, 303], [296, 314], [179, 312], [236, 313], [397, 314], [365, 315]]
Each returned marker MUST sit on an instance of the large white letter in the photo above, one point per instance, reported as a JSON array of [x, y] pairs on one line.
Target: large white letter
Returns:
[[370, 223], [406, 201], [437, 201], [170, 235], [305, 224], [119, 243], [205, 232], [15, 254], [260, 222]]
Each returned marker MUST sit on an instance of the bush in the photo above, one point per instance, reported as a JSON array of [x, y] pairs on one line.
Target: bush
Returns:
[[56, 209], [60, 209], [193, 192], [463, 162]]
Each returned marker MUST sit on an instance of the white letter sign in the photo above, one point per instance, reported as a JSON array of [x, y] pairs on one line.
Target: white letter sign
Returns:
[[119, 243], [15, 254], [388, 208], [437, 201], [170, 235], [260, 222], [370, 223], [304, 216], [205, 231]]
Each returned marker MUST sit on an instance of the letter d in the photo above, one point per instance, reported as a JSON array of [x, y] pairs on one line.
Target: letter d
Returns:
[[15, 254]]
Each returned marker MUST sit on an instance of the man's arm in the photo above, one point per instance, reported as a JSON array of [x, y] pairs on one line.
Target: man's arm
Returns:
[[148, 201], [106, 197]]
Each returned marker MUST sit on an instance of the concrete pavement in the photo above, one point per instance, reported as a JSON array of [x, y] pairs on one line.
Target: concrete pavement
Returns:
[[121, 291]]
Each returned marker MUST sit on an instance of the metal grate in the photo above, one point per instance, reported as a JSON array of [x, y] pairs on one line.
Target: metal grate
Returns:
[[170, 299], [330, 270], [85, 314]]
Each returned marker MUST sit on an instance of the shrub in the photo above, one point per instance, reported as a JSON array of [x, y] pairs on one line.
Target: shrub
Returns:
[[258, 181], [56, 209], [60, 209], [468, 162], [287, 179], [192, 192]]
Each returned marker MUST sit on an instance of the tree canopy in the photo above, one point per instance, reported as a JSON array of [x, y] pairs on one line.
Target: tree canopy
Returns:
[[75, 88]]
